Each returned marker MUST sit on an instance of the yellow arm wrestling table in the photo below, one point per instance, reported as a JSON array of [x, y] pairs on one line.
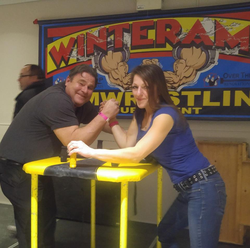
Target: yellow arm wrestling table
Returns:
[[93, 170]]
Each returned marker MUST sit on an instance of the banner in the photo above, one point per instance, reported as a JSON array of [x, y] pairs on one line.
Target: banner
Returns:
[[204, 54]]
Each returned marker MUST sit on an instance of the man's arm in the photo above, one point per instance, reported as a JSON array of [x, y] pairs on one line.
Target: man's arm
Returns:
[[89, 132]]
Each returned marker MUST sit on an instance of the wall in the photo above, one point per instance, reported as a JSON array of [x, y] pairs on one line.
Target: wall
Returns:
[[19, 46]]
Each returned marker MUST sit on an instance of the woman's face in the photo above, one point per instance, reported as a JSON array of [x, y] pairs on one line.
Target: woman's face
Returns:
[[140, 92]]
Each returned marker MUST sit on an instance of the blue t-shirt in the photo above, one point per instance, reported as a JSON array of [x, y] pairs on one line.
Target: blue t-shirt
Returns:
[[178, 153]]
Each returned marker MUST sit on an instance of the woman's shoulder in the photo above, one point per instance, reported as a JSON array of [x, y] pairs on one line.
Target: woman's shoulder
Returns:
[[178, 118], [167, 109]]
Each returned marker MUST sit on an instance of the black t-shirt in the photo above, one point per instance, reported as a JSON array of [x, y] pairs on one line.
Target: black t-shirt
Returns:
[[30, 135]]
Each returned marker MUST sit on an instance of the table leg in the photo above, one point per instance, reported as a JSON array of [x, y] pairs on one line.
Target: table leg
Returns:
[[34, 209], [124, 215], [93, 213], [159, 200]]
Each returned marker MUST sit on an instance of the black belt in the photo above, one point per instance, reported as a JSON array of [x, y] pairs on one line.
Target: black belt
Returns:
[[10, 161], [200, 175]]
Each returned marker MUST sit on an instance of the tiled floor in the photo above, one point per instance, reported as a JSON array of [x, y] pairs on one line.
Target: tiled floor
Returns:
[[72, 234]]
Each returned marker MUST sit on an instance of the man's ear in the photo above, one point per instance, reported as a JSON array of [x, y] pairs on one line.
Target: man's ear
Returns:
[[67, 81]]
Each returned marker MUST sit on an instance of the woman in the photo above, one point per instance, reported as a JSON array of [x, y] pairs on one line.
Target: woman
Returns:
[[160, 130]]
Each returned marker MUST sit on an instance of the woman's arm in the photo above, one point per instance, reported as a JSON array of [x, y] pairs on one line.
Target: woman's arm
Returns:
[[125, 138], [160, 128]]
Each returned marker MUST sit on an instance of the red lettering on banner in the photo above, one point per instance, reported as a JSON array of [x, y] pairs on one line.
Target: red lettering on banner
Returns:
[[97, 42], [197, 35], [63, 54], [167, 31], [147, 34], [80, 45], [118, 31], [140, 35], [224, 39], [243, 36]]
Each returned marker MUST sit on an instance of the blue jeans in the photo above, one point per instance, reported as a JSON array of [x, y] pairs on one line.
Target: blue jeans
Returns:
[[200, 208]]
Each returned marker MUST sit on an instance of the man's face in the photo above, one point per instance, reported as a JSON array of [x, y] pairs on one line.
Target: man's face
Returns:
[[25, 78], [80, 88]]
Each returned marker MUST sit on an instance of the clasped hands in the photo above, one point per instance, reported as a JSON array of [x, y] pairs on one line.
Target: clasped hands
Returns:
[[110, 108]]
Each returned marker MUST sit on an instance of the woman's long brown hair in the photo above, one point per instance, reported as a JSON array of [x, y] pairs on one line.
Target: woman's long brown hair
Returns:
[[158, 94]]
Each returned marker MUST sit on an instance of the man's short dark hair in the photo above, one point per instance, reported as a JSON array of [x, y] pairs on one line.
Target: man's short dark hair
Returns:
[[84, 68], [36, 70]]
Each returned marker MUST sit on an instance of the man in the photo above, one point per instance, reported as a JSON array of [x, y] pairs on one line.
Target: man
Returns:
[[48, 121], [31, 80]]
